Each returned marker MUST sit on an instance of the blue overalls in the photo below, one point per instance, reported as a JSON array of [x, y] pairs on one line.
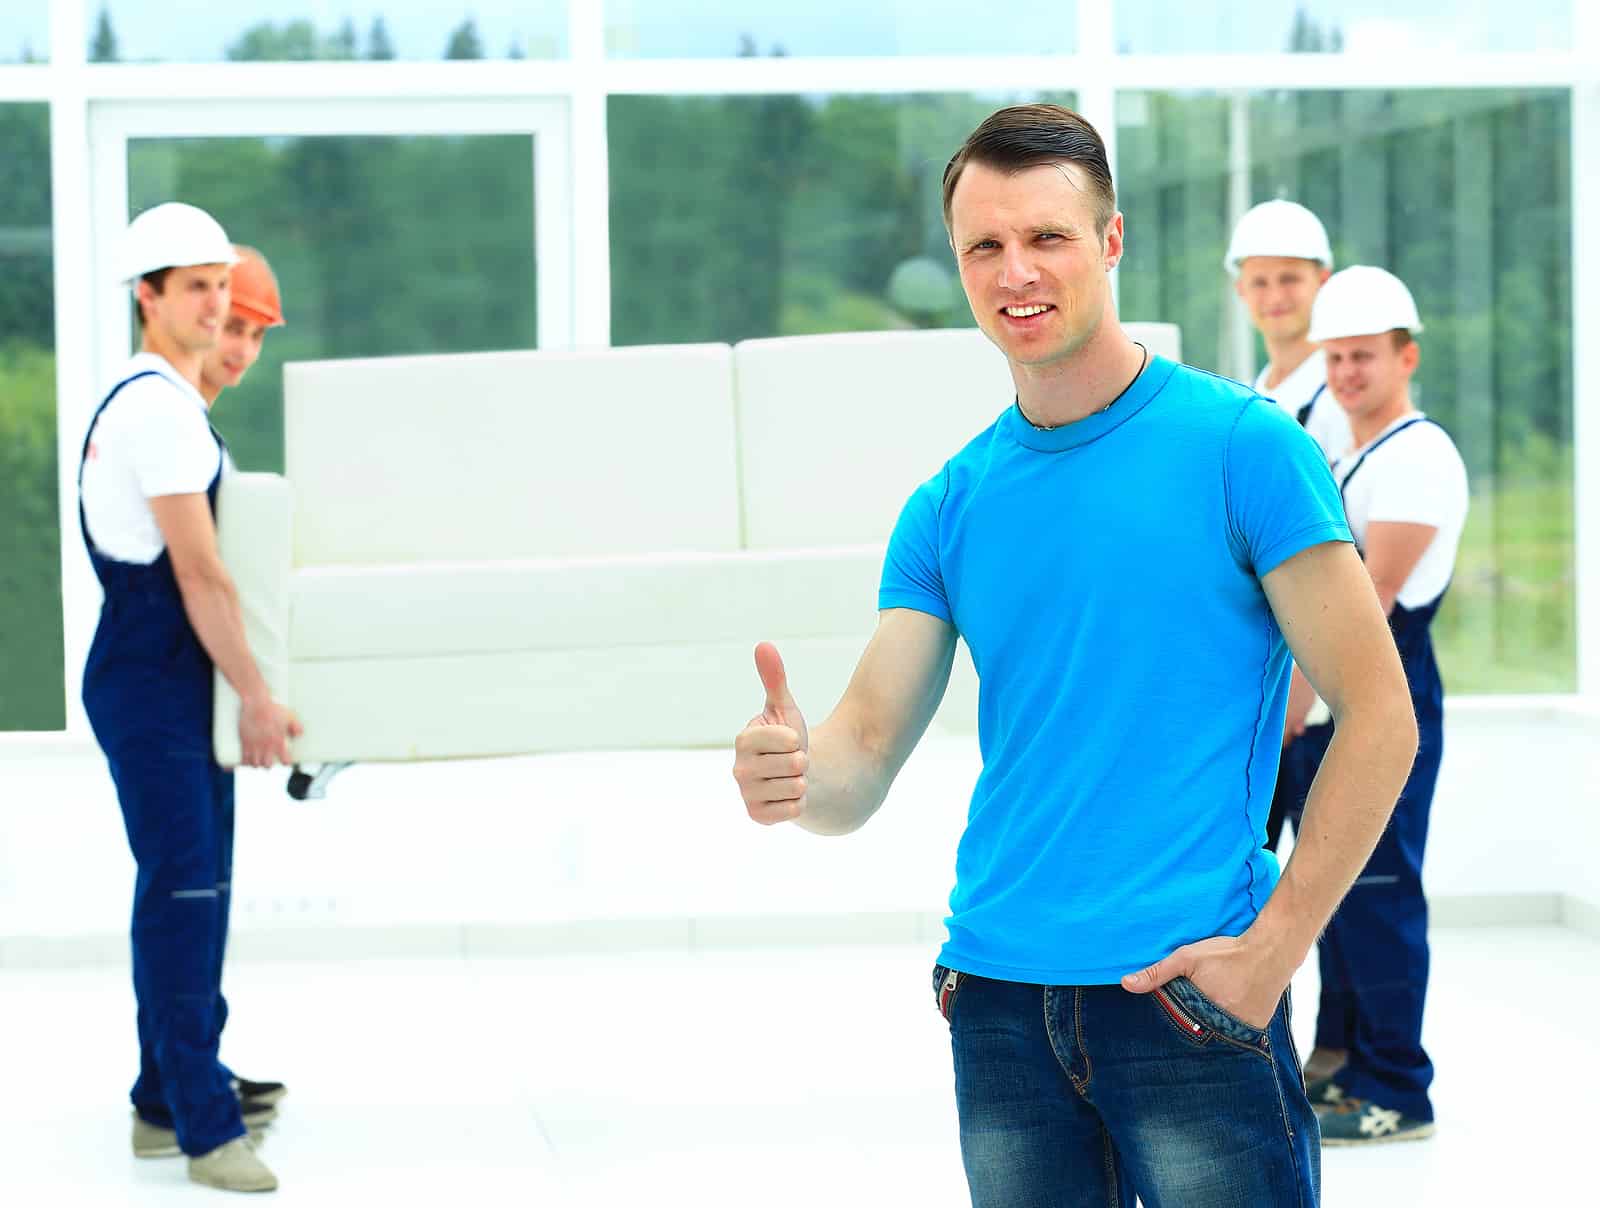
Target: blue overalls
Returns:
[[147, 689], [1374, 955]]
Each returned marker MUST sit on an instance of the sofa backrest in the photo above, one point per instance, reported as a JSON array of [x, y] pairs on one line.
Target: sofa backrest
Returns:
[[512, 455], [835, 431]]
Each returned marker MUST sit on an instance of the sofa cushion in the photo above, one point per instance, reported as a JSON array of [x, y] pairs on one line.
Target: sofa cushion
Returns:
[[512, 455], [836, 431]]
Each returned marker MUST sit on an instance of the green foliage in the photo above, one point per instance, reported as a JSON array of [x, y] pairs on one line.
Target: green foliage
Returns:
[[738, 217], [103, 46], [291, 42], [32, 695], [378, 44], [464, 42]]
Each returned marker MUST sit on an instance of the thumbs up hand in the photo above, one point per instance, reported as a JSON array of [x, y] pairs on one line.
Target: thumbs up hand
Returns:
[[772, 753]]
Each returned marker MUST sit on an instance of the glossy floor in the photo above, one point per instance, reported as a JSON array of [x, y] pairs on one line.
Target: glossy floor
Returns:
[[771, 1075]]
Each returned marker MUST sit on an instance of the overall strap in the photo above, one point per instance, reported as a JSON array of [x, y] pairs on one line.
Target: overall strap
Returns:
[[1303, 416], [1378, 444], [88, 436]]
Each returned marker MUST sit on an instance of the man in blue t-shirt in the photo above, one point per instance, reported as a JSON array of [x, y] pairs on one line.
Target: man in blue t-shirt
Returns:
[[1131, 551]]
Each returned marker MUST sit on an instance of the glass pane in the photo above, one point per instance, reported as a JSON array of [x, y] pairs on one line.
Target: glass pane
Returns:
[[1467, 197], [801, 214], [1334, 26], [716, 29], [200, 31], [382, 246], [25, 31], [32, 691]]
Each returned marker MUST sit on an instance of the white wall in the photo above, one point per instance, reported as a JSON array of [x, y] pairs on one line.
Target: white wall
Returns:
[[654, 849]]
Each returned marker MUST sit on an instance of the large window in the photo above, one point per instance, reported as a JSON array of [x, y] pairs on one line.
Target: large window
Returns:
[[1466, 196], [382, 246], [31, 687], [1379, 27], [200, 31], [699, 29], [738, 217]]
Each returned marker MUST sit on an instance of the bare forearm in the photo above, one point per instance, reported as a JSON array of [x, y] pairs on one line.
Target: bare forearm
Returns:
[[1349, 805], [212, 605], [846, 782]]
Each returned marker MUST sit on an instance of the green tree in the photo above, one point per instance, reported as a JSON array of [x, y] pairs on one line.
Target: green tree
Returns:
[[464, 42], [103, 46], [294, 41], [342, 45], [379, 47]]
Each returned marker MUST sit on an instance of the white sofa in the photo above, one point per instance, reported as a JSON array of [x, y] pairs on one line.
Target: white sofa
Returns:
[[502, 553]]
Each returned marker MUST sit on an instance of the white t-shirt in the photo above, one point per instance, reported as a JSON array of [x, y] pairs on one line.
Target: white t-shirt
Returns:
[[1416, 477], [154, 439], [1327, 424]]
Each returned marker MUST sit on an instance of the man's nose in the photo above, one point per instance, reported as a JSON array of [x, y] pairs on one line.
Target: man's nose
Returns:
[[1017, 270]]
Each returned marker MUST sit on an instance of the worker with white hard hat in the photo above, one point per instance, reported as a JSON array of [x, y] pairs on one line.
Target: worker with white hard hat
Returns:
[[148, 480], [1404, 488], [1279, 257]]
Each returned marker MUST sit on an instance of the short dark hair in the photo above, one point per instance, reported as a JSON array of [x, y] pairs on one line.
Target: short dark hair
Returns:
[[1401, 337], [1025, 136], [156, 280]]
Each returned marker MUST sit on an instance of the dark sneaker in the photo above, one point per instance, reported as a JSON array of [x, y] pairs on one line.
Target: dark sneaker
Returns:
[[1360, 1122], [1325, 1094], [259, 1092], [154, 1141]]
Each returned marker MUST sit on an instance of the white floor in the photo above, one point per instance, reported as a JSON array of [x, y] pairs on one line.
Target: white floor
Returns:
[[770, 1076]]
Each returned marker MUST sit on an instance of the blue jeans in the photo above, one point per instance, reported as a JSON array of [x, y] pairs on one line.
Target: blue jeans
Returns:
[[1087, 1096]]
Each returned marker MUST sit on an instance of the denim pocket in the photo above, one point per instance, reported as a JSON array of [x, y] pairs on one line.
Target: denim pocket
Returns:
[[946, 984], [1200, 1018]]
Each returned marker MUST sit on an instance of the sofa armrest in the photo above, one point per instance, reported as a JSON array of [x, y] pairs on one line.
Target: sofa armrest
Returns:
[[255, 531]]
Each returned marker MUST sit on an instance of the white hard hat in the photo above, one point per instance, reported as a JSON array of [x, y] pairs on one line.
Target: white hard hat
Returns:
[[1362, 301], [1278, 228], [172, 235]]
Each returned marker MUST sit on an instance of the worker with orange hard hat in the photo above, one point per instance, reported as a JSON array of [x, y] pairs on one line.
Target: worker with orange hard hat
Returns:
[[255, 307]]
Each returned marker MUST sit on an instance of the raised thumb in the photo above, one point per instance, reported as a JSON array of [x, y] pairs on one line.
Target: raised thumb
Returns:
[[769, 666]]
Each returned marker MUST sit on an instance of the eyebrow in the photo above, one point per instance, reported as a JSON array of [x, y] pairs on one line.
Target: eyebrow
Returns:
[[1049, 228]]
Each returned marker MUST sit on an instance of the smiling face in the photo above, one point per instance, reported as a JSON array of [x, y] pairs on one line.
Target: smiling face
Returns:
[[236, 350], [1033, 264], [1278, 292], [1370, 375], [186, 315]]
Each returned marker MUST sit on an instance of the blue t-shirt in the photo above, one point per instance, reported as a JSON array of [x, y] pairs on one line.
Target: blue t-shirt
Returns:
[[1106, 576]]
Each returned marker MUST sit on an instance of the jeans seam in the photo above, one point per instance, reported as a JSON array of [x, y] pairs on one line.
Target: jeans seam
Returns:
[[1077, 1032], [1294, 1052], [1288, 1133], [1113, 1196]]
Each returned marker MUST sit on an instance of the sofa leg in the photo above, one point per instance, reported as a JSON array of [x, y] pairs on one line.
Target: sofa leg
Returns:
[[313, 786]]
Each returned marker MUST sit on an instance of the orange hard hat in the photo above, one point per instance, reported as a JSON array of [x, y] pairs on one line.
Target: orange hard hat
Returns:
[[255, 289]]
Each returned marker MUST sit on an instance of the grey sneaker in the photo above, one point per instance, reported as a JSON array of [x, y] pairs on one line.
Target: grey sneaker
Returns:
[[154, 1141], [1361, 1122], [233, 1166]]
